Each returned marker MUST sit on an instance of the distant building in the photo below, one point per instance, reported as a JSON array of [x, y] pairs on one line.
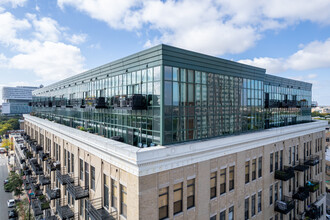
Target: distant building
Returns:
[[323, 109], [16, 100], [314, 104]]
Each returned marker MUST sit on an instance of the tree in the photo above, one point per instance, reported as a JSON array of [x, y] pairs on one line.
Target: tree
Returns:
[[15, 183], [6, 143]]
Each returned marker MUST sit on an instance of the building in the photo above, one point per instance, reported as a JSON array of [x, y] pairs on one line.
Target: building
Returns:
[[172, 134], [16, 100]]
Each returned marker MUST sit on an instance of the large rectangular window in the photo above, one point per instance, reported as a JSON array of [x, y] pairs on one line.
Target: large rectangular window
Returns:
[[213, 185], [260, 201], [106, 191], [253, 205], [223, 181], [231, 213], [86, 174], [72, 163], [276, 160], [190, 193], [81, 169], [271, 195], [123, 200], [246, 208], [93, 178], [231, 177], [223, 215], [254, 169], [69, 163], [260, 167], [271, 162], [276, 192], [114, 193], [177, 205], [163, 203], [247, 171]]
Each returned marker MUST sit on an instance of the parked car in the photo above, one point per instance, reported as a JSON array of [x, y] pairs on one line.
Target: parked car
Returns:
[[5, 181], [7, 188], [2, 151], [11, 203], [12, 214]]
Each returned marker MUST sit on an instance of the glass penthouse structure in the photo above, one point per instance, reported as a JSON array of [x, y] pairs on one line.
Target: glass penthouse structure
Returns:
[[166, 95]]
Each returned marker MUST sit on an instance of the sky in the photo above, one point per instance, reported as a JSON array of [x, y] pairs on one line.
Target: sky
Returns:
[[44, 41]]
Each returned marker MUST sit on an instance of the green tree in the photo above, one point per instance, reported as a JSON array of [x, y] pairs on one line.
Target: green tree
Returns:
[[15, 183]]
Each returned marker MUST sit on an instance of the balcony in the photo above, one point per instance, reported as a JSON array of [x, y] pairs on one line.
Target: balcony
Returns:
[[44, 180], [35, 207], [53, 165], [26, 137], [301, 166], [312, 160], [77, 191], [37, 169], [63, 210], [285, 174], [312, 185], [63, 177], [27, 154], [133, 102], [35, 188], [27, 171], [97, 212], [285, 205], [313, 212], [53, 193], [43, 203], [43, 156], [302, 194], [36, 147]]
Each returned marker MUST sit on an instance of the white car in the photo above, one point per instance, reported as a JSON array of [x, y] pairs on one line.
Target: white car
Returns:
[[11, 203]]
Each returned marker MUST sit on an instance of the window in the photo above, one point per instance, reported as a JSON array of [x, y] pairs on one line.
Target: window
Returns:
[[289, 155], [190, 193], [270, 195], [72, 163], [81, 169], [260, 167], [69, 162], [231, 177], [293, 155], [253, 205], [213, 217], [246, 208], [123, 200], [177, 206], [223, 215], [222, 181], [259, 201], [276, 160], [114, 193], [254, 169], [276, 192], [163, 203], [106, 191], [64, 157], [231, 213], [271, 162], [86, 175], [81, 207], [93, 177], [213, 185], [247, 171], [281, 159]]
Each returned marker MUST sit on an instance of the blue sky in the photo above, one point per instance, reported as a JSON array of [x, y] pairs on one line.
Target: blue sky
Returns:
[[42, 42]]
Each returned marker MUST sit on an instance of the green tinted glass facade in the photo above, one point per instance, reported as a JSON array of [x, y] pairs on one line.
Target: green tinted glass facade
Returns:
[[186, 96]]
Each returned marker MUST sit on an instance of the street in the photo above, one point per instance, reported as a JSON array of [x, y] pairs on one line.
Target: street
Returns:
[[4, 196], [328, 199]]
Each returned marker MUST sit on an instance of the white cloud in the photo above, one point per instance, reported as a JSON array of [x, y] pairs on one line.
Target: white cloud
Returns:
[[13, 3], [42, 51], [210, 26], [76, 38], [51, 61], [311, 56]]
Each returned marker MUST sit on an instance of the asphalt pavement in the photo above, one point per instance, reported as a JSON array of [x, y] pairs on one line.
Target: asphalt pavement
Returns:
[[328, 199], [4, 196]]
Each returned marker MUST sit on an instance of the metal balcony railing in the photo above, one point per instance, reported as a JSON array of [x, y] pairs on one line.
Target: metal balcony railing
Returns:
[[35, 207], [301, 166], [36, 147], [313, 212], [53, 192], [63, 210], [63, 177], [53, 165], [285, 174], [285, 205], [43, 203], [44, 180], [97, 212], [77, 191], [302, 194], [37, 169], [43, 156], [312, 160], [35, 188]]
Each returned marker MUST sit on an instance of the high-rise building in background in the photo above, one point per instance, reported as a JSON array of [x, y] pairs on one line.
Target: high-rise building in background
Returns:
[[16, 100], [172, 134]]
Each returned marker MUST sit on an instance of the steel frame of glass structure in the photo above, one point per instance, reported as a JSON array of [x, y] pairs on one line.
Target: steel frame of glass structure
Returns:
[[181, 96]]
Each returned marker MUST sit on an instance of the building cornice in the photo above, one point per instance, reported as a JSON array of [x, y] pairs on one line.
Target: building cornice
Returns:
[[146, 161]]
